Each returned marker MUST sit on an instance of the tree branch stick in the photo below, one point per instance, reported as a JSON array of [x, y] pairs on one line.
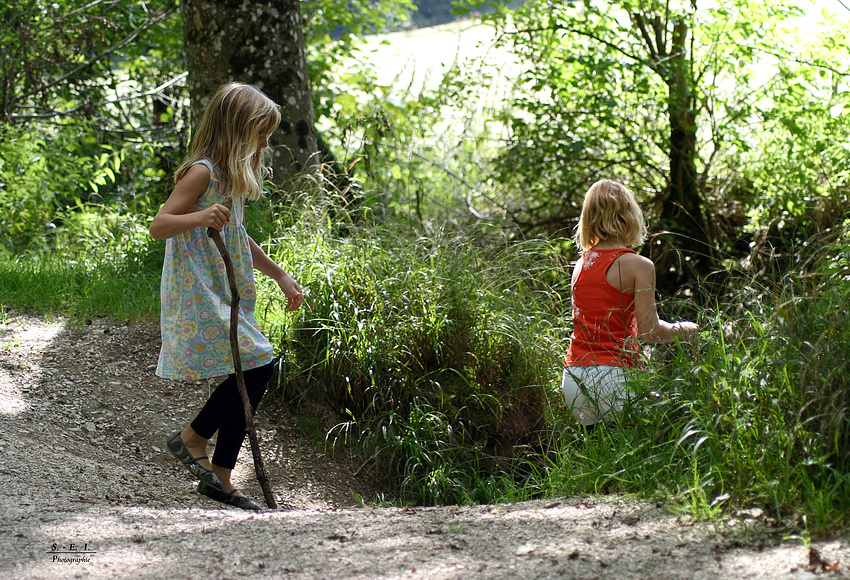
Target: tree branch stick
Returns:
[[259, 468]]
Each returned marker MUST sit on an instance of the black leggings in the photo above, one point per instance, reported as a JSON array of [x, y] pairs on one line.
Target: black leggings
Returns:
[[224, 412]]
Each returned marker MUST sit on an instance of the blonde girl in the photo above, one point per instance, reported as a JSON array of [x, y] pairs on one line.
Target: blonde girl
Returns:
[[227, 159], [613, 300]]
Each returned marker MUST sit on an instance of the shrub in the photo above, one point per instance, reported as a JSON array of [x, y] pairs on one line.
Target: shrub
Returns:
[[756, 414], [430, 353]]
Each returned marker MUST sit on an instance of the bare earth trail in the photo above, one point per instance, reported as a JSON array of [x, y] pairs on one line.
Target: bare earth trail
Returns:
[[89, 492]]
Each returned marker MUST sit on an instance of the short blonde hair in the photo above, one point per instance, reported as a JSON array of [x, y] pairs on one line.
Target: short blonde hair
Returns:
[[610, 211], [236, 118]]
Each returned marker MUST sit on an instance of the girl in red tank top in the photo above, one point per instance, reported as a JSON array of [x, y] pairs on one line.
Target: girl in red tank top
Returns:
[[613, 297], [603, 315]]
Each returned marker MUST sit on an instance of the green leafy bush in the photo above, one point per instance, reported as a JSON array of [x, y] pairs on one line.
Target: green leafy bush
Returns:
[[756, 414], [434, 357], [95, 262]]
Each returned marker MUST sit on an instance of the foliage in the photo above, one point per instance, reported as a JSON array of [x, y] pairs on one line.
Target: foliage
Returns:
[[755, 416], [367, 128], [80, 121], [332, 35], [797, 176], [433, 356], [58, 58], [418, 160], [592, 100], [96, 262]]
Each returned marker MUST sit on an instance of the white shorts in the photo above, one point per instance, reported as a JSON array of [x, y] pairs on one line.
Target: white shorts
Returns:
[[593, 392]]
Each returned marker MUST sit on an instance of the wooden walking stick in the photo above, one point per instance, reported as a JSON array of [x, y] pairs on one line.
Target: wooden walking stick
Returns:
[[260, 470]]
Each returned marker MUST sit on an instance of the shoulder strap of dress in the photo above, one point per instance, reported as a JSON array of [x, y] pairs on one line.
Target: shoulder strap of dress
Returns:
[[599, 267], [611, 258], [206, 163]]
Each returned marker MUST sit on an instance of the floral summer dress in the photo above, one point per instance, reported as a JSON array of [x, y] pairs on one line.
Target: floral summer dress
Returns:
[[195, 297]]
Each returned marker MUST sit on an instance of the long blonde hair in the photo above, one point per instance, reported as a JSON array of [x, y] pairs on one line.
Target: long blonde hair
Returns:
[[610, 211], [235, 120]]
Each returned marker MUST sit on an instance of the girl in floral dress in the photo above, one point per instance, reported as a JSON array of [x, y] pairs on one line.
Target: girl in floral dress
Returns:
[[226, 160]]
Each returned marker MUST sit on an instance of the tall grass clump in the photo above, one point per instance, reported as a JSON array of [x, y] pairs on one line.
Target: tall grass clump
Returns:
[[755, 414], [432, 358], [94, 262]]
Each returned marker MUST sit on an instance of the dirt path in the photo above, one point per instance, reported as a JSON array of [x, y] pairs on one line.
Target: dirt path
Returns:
[[91, 493]]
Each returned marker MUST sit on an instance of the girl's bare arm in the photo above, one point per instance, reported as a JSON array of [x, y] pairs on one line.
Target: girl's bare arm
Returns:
[[174, 218], [650, 327], [289, 287]]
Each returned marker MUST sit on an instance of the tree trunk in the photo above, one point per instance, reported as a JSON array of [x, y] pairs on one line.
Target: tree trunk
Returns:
[[682, 211], [259, 42]]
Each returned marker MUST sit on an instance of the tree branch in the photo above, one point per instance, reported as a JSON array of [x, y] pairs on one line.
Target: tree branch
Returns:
[[262, 478], [154, 19], [638, 20], [53, 114], [591, 36]]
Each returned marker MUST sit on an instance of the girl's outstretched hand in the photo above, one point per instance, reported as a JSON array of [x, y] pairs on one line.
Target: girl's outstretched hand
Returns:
[[686, 330], [292, 291]]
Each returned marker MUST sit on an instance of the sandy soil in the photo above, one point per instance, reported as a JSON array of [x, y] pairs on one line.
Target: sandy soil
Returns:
[[91, 493]]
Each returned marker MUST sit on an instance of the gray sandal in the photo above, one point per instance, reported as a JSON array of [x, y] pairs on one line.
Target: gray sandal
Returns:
[[177, 448], [228, 498]]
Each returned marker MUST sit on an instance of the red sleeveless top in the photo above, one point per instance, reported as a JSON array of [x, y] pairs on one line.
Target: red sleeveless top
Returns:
[[604, 321]]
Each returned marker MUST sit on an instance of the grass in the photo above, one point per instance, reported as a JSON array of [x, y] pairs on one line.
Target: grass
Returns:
[[436, 361], [81, 289], [429, 356], [756, 414], [98, 264]]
